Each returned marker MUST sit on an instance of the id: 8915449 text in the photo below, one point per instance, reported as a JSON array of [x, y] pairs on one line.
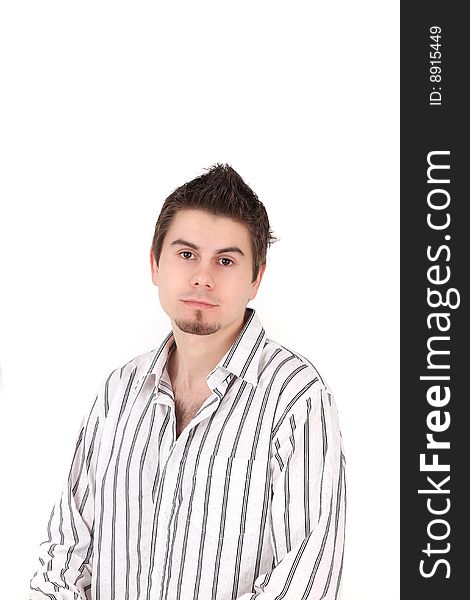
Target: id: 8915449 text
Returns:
[[435, 68]]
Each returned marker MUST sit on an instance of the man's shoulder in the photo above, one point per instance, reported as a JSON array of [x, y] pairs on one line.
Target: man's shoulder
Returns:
[[131, 372], [295, 380], [292, 362], [140, 365]]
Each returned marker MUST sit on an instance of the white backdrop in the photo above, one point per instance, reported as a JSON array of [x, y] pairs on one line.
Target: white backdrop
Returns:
[[106, 107]]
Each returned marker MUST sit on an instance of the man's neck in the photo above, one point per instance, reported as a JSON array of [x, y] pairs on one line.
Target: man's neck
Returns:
[[195, 356]]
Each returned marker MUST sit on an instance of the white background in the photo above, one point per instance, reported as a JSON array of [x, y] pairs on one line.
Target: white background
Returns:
[[106, 107]]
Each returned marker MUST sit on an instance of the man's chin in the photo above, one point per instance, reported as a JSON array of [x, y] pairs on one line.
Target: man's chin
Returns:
[[196, 327]]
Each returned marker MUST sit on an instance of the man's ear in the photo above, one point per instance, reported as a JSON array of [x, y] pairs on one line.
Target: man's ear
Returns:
[[255, 285], [153, 268]]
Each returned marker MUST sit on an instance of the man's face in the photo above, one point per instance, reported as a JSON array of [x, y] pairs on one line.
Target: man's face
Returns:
[[205, 259]]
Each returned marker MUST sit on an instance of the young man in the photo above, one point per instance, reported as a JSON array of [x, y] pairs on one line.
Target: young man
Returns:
[[211, 468]]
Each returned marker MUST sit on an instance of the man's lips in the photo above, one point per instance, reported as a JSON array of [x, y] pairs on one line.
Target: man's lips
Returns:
[[198, 303]]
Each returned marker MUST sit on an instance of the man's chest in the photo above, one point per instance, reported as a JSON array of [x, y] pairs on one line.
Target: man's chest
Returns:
[[213, 477], [140, 432]]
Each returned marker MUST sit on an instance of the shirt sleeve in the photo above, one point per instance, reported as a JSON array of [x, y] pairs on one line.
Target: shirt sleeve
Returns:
[[64, 571], [308, 503]]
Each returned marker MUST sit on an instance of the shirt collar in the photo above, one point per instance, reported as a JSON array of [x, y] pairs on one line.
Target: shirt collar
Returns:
[[242, 359]]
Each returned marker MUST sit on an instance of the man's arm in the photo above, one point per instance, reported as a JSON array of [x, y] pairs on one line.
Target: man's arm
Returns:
[[65, 570], [308, 503]]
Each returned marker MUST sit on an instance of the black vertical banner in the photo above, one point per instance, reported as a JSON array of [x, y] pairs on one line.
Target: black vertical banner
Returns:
[[435, 270]]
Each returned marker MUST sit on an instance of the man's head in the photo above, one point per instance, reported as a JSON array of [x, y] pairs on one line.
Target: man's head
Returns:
[[210, 245], [221, 192]]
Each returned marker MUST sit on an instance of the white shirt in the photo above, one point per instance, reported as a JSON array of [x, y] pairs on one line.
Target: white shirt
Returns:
[[248, 502]]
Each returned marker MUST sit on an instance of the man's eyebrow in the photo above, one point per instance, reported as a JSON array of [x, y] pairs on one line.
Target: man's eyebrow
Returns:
[[180, 242]]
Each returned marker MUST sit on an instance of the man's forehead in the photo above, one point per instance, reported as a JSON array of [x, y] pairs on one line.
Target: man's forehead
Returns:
[[208, 230]]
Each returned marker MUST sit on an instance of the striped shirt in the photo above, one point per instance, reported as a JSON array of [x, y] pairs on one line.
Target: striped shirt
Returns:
[[248, 502]]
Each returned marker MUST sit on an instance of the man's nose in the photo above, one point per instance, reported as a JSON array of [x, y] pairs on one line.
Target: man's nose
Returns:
[[202, 277]]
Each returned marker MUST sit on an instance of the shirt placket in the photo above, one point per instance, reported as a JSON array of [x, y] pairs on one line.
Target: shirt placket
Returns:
[[171, 483]]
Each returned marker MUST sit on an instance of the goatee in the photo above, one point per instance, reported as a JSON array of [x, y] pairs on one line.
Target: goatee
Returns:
[[197, 326]]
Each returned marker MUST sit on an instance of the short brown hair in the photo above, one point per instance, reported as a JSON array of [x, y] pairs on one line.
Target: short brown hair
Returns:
[[222, 192]]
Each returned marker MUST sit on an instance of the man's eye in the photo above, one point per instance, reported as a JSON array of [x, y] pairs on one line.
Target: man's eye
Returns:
[[226, 262], [185, 253]]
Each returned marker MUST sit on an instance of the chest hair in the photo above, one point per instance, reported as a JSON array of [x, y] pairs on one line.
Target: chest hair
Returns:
[[187, 403]]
